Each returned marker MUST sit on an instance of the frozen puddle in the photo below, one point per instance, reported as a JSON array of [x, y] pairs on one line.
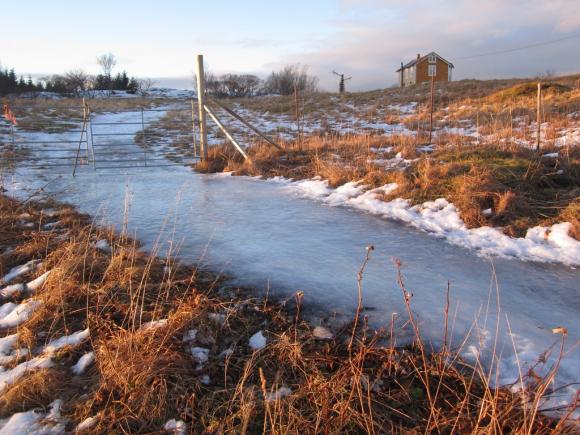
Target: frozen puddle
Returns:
[[271, 236]]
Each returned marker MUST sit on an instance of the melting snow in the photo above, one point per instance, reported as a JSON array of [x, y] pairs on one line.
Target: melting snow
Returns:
[[12, 315], [86, 424], [177, 427], [200, 355], [9, 377], [33, 285], [280, 393], [20, 270], [34, 422], [154, 324], [68, 340], [83, 362], [257, 341], [322, 333]]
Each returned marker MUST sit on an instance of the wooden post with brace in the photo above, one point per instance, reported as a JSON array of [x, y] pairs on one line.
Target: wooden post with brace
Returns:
[[201, 107]]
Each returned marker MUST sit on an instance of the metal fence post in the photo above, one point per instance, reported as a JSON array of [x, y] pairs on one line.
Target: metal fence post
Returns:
[[201, 107]]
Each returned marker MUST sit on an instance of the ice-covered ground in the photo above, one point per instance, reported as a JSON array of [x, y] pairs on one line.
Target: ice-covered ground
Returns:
[[441, 218], [304, 235]]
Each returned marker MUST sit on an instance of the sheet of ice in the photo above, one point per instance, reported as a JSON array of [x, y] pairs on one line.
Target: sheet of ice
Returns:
[[17, 314], [441, 218], [257, 341], [83, 362]]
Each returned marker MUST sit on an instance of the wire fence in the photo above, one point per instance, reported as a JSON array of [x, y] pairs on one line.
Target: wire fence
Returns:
[[108, 140]]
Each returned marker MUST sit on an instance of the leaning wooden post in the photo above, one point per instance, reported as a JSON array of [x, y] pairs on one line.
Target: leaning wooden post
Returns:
[[539, 117], [201, 107]]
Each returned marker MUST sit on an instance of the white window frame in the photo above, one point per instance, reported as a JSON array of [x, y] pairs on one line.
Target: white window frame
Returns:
[[432, 70], [432, 58]]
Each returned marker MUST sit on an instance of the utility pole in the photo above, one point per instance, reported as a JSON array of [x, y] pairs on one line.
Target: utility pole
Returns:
[[201, 107], [341, 84]]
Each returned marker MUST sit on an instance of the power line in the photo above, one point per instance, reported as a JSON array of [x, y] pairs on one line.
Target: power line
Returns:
[[525, 47]]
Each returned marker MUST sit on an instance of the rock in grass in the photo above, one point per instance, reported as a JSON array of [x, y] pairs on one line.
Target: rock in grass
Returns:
[[257, 341], [322, 333]]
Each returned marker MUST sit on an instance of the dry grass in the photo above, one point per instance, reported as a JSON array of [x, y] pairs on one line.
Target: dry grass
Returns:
[[359, 381], [521, 188]]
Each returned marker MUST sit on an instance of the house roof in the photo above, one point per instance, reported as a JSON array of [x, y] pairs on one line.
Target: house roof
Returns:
[[416, 61]]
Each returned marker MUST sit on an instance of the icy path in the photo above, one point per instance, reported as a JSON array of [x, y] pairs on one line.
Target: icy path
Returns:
[[268, 235]]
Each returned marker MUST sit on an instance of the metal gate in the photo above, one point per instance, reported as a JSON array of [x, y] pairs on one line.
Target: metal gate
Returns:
[[78, 137]]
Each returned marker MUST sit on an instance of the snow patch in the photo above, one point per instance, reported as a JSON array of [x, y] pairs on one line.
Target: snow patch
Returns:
[[86, 424], [280, 393], [83, 362], [34, 422], [322, 333], [200, 355], [17, 314], [257, 341], [20, 270], [154, 324], [103, 245], [68, 340], [177, 427]]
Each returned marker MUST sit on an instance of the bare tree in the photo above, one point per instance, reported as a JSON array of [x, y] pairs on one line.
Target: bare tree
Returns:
[[77, 81], [107, 61], [145, 85]]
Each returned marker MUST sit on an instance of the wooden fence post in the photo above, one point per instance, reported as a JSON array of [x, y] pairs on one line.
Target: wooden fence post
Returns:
[[431, 110], [201, 107], [193, 133], [539, 116]]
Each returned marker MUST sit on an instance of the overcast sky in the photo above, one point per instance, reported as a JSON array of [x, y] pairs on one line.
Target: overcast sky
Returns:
[[367, 39]]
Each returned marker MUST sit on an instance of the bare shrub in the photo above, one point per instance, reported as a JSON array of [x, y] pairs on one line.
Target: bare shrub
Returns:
[[291, 78]]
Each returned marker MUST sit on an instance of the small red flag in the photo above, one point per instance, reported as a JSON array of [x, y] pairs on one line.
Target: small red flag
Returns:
[[9, 116]]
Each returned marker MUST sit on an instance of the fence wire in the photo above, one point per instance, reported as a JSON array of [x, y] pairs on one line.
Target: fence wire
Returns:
[[42, 143]]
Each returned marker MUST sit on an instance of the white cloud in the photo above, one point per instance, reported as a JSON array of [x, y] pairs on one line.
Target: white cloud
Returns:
[[376, 35]]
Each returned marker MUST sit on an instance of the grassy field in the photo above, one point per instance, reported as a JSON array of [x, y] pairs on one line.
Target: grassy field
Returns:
[[169, 346]]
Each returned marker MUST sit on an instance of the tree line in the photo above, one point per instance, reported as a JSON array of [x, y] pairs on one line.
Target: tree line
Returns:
[[74, 82], [11, 84], [286, 81]]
